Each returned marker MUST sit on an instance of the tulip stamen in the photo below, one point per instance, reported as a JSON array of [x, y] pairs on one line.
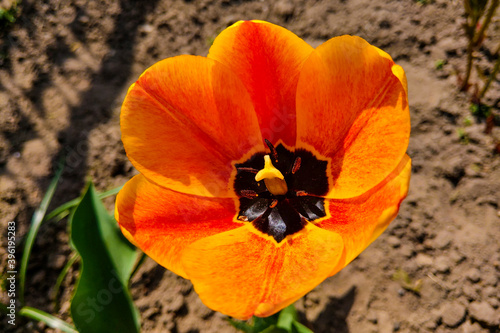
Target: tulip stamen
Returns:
[[296, 165], [248, 194], [273, 178], [301, 193], [274, 153], [280, 198], [252, 170]]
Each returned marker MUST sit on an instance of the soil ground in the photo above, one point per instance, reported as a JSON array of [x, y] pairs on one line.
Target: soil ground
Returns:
[[65, 67]]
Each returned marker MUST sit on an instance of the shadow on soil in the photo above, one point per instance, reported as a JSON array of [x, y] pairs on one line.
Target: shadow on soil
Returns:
[[333, 317]]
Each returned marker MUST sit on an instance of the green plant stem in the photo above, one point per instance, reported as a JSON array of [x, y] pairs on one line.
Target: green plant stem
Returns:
[[48, 319], [492, 75], [469, 30], [491, 11], [36, 221], [138, 264], [74, 257], [465, 83], [63, 210], [474, 37]]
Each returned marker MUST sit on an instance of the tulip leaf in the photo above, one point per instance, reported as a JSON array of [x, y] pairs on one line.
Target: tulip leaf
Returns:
[[271, 329], [48, 319], [286, 317], [241, 326], [65, 209], [102, 301], [286, 321], [299, 328], [36, 222]]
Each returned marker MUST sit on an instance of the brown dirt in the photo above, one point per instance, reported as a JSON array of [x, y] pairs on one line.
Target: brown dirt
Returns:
[[65, 67]]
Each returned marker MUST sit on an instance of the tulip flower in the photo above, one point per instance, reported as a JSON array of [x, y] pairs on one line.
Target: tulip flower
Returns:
[[266, 166]]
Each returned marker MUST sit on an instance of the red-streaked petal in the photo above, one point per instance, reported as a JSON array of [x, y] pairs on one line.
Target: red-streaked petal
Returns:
[[361, 220], [243, 273], [163, 223], [352, 107], [267, 58], [185, 121]]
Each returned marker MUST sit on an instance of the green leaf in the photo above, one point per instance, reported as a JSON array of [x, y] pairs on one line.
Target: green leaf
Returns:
[[48, 319], [74, 257], [241, 326], [299, 328], [261, 324], [286, 317], [36, 221], [286, 321], [64, 210], [102, 301], [271, 329]]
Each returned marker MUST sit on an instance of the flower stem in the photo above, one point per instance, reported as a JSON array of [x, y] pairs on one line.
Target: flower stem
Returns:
[[492, 75]]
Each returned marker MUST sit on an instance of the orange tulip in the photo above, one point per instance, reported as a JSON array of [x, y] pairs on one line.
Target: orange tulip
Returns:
[[266, 166]]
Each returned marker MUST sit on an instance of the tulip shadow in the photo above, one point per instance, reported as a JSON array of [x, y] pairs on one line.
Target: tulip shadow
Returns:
[[108, 81], [88, 108], [333, 317]]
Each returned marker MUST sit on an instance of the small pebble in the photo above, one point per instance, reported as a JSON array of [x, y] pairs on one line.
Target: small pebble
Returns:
[[473, 274], [489, 291], [423, 260], [442, 264], [469, 291], [494, 302], [283, 9], [176, 305], [406, 250], [394, 241], [442, 239]]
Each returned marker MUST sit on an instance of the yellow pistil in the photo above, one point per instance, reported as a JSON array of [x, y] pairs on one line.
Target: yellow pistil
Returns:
[[273, 178]]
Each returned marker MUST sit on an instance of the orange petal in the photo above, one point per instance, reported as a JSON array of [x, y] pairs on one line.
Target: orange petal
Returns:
[[163, 223], [267, 58], [355, 96], [183, 123], [243, 273], [361, 220]]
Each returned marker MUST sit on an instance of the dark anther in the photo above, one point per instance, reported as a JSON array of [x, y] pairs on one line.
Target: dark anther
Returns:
[[248, 194], [283, 214], [252, 170], [274, 153], [296, 165]]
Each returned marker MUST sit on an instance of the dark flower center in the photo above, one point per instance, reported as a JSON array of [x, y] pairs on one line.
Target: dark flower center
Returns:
[[286, 199]]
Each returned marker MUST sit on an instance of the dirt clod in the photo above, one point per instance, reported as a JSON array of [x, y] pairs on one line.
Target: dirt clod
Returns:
[[453, 314]]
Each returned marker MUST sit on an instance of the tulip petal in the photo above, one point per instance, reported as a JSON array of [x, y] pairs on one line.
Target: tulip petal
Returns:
[[352, 108], [183, 123], [243, 272], [267, 58], [361, 220], [163, 223]]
